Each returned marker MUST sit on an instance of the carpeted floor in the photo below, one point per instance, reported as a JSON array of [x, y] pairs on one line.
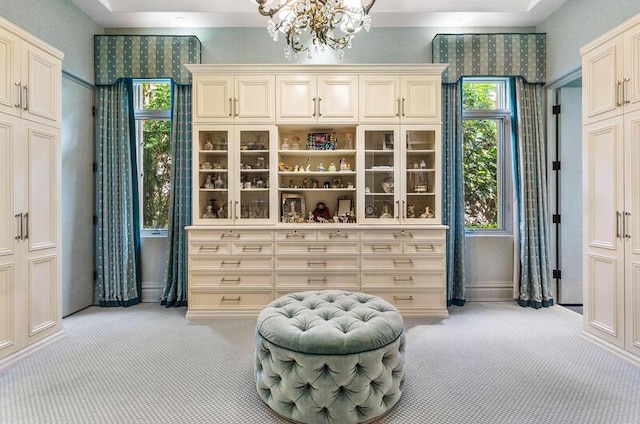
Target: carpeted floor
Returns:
[[489, 363]]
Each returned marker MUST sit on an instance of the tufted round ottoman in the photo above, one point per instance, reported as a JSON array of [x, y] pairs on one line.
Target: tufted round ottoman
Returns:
[[330, 356]]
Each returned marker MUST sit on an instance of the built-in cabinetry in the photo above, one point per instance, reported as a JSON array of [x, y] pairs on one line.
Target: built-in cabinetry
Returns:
[[611, 178], [30, 88], [317, 198]]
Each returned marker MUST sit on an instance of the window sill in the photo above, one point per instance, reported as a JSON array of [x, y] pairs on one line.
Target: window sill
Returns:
[[154, 233]]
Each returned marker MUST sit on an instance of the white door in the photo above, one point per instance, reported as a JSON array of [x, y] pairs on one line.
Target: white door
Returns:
[[296, 98], [420, 98], [9, 73], [338, 98]]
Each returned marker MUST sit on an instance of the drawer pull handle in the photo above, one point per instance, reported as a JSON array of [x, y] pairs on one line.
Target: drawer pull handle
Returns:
[[295, 235], [229, 280], [402, 234], [230, 299], [230, 235], [210, 248], [403, 261], [403, 279], [316, 248], [317, 263], [385, 248], [430, 247], [252, 248], [338, 235], [322, 280], [225, 262], [408, 298]]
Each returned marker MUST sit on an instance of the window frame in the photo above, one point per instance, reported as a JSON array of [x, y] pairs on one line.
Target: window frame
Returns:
[[504, 116], [141, 115]]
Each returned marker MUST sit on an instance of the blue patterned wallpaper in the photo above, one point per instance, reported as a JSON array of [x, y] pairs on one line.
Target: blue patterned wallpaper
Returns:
[[491, 55]]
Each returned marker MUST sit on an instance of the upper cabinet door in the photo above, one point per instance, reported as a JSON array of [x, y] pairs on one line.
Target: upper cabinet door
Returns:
[[337, 99], [602, 81], [379, 98], [420, 99], [9, 73], [213, 98], [254, 99], [296, 98], [41, 85], [632, 69]]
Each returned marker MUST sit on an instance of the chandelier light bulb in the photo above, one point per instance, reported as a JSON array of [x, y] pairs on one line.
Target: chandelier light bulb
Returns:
[[331, 23]]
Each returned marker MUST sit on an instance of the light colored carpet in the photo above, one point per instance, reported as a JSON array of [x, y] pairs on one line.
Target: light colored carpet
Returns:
[[489, 363]]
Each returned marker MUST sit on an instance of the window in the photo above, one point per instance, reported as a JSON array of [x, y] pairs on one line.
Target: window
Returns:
[[152, 111], [486, 123]]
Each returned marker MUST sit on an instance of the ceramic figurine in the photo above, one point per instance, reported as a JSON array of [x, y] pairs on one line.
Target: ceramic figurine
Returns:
[[332, 167], [208, 183]]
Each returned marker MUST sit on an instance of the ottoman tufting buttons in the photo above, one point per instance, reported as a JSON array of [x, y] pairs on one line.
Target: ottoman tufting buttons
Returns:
[[330, 356]]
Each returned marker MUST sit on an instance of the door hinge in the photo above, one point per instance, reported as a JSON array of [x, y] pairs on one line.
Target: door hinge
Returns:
[[556, 273], [555, 109], [555, 165], [555, 219]]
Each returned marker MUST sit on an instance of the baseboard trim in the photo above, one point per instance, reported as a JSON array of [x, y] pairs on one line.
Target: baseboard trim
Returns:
[[151, 292], [615, 351], [489, 292], [30, 350]]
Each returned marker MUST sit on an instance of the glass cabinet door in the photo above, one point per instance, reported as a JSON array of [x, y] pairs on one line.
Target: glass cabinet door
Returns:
[[254, 161], [421, 162], [378, 148], [212, 177]]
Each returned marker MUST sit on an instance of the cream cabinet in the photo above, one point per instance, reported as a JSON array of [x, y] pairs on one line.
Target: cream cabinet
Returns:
[[30, 236], [611, 181], [611, 73], [400, 98], [317, 97], [400, 175], [30, 83], [233, 99], [233, 174], [319, 199]]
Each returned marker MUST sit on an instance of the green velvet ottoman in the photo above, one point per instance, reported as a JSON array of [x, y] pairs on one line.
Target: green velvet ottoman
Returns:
[[330, 356]]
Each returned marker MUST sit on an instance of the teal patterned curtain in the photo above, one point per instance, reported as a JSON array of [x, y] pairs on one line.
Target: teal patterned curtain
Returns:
[[175, 292], [491, 55], [535, 271], [453, 191], [117, 229]]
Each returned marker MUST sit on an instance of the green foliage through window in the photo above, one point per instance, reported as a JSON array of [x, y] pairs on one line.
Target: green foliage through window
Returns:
[[482, 138], [155, 152]]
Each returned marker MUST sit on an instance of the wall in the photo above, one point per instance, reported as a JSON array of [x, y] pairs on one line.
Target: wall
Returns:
[[575, 24], [64, 26]]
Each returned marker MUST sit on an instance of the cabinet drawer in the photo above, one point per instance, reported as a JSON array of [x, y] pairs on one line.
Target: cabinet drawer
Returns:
[[239, 248], [228, 279], [318, 282], [208, 248], [231, 263], [403, 262], [424, 246], [229, 235], [403, 235], [316, 248], [205, 299], [293, 235], [382, 247], [317, 263], [429, 298], [338, 235], [404, 280]]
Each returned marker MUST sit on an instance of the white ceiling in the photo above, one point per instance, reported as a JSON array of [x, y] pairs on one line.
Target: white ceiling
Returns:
[[243, 13]]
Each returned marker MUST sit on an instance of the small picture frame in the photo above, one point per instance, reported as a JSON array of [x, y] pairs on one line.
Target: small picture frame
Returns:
[[293, 207], [344, 206], [336, 183]]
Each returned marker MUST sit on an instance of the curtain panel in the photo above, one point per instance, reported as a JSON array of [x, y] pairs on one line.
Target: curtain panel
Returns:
[[175, 292], [117, 228], [491, 55], [144, 56]]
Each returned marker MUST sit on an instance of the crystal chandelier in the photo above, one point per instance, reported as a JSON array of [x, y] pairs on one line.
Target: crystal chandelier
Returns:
[[310, 25]]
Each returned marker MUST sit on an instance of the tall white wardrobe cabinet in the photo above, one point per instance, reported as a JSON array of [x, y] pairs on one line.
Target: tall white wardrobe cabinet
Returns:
[[611, 178], [30, 169]]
